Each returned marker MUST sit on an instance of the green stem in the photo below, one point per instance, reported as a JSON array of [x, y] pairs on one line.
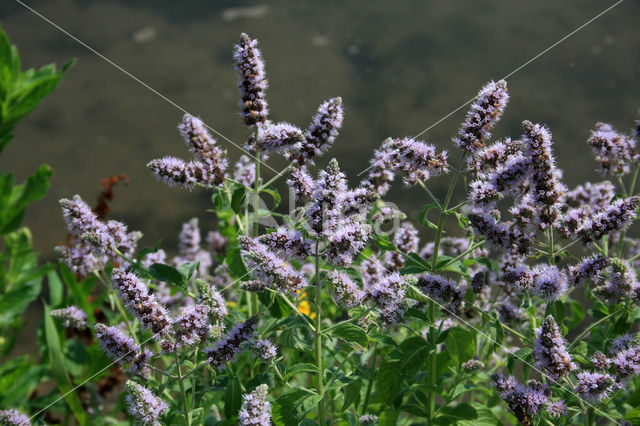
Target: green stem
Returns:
[[551, 252], [253, 297], [183, 394], [276, 177], [365, 405], [432, 307], [429, 193], [318, 338]]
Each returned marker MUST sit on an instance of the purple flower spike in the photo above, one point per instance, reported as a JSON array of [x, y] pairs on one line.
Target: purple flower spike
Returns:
[[589, 268], [301, 183], [200, 142], [252, 80], [389, 293], [116, 344], [278, 137], [347, 242], [627, 362], [135, 295], [483, 116], [347, 291], [616, 217], [595, 195], [550, 282], [322, 132], [228, 347], [264, 349], [327, 195], [287, 243], [143, 405], [72, 317], [523, 401], [13, 417], [192, 326], [269, 268], [176, 172], [443, 290], [414, 159], [549, 192], [256, 410], [594, 386], [614, 152], [550, 352]]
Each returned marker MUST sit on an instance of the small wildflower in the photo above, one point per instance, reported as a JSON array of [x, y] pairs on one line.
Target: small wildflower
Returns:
[[594, 386], [550, 282], [143, 405], [346, 290], [472, 365], [252, 80], [264, 349], [616, 217], [389, 293], [13, 417], [256, 410], [136, 297], [614, 152], [322, 132], [226, 349], [483, 115], [550, 352], [368, 419], [72, 317], [600, 361]]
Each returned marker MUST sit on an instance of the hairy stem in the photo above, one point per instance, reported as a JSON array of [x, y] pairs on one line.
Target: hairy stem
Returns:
[[183, 394], [432, 307], [318, 340]]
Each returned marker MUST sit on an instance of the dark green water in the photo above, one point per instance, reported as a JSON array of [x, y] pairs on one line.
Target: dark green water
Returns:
[[399, 67]]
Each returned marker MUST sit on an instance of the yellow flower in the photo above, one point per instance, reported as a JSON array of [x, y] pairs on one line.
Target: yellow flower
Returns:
[[304, 306]]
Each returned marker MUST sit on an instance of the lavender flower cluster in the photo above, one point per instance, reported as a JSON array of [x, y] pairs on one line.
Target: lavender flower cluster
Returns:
[[208, 167], [93, 242]]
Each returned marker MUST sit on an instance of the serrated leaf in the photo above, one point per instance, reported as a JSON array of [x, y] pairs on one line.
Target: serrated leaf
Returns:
[[460, 344], [351, 333], [168, 274]]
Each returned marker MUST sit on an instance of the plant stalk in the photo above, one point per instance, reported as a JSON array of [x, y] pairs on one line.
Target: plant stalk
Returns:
[[432, 307], [183, 394], [318, 340]]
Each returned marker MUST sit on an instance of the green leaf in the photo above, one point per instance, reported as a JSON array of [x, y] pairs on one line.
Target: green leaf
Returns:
[[422, 216], [460, 344], [300, 368], [453, 415], [414, 293], [55, 289], [499, 334], [388, 418], [238, 198], [383, 243], [292, 406], [633, 416], [233, 258], [34, 188], [351, 333], [351, 394], [271, 190], [415, 264], [168, 274], [232, 398], [58, 369]]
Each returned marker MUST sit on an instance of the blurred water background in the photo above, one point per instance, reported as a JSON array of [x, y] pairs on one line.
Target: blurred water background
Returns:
[[399, 67]]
